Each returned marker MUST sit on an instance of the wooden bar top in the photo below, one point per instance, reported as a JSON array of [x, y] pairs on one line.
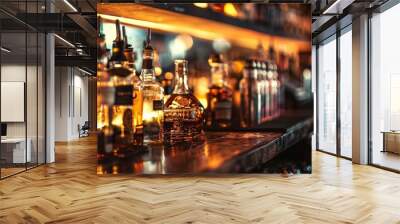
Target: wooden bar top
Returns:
[[239, 151], [217, 154]]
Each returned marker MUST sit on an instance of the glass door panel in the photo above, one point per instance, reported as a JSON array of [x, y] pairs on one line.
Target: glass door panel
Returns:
[[327, 96], [385, 89], [346, 94], [14, 153]]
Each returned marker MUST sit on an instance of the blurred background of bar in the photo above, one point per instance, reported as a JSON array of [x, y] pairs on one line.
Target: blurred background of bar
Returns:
[[237, 31]]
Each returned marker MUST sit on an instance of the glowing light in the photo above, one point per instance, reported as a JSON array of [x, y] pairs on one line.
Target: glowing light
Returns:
[[180, 45], [5, 49], [114, 169], [148, 113], [201, 5], [99, 169], [201, 90], [307, 74], [221, 45], [237, 66], [65, 41], [70, 5], [169, 75], [158, 70], [200, 28], [230, 10]]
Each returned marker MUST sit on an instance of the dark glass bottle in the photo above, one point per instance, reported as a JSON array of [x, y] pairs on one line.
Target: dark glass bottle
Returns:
[[183, 112], [250, 96], [219, 97]]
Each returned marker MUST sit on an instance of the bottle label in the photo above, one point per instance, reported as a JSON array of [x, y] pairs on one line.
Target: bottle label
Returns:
[[223, 110], [158, 104], [124, 95]]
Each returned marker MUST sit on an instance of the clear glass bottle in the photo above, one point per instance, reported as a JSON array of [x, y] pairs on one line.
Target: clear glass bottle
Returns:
[[183, 112], [219, 97], [249, 96], [153, 98]]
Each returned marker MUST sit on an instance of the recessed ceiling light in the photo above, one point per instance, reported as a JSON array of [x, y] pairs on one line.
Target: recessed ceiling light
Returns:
[[65, 41], [70, 5], [5, 49], [84, 71]]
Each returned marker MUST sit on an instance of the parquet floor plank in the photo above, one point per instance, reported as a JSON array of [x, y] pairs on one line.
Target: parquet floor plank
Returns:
[[69, 191]]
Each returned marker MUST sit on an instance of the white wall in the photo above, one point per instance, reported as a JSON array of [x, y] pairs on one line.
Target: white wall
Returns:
[[71, 102], [33, 127]]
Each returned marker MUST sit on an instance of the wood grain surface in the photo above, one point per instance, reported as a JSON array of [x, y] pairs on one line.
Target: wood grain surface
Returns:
[[69, 191]]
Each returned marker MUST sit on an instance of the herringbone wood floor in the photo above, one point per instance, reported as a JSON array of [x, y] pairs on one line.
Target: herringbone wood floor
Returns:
[[70, 192]]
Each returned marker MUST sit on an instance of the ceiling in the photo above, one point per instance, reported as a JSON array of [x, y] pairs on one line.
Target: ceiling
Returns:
[[74, 21]]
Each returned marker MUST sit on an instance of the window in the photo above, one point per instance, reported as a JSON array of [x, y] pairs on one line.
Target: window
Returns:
[[22, 78], [327, 96], [346, 93], [385, 89]]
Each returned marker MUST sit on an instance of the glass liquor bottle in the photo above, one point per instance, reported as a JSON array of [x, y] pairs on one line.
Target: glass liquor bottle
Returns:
[[183, 112], [261, 87], [249, 96], [273, 90], [153, 98], [277, 89], [266, 91], [219, 97], [137, 94], [122, 108]]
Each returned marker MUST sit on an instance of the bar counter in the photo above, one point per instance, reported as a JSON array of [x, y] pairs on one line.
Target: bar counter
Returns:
[[222, 152]]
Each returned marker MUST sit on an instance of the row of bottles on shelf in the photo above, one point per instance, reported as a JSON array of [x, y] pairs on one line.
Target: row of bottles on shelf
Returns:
[[133, 109], [260, 95]]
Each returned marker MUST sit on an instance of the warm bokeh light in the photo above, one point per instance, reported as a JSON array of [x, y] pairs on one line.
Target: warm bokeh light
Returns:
[[99, 169], [180, 45], [158, 70], [114, 169], [201, 5], [102, 112], [237, 66], [221, 45], [230, 10], [201, 90], [169, 75]]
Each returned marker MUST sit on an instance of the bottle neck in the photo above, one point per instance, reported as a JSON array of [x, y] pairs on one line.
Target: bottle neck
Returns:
[[181, 85]]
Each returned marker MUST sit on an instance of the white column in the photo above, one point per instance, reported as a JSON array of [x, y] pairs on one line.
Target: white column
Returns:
[[360, 90], [50, 91], [50, 98]]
